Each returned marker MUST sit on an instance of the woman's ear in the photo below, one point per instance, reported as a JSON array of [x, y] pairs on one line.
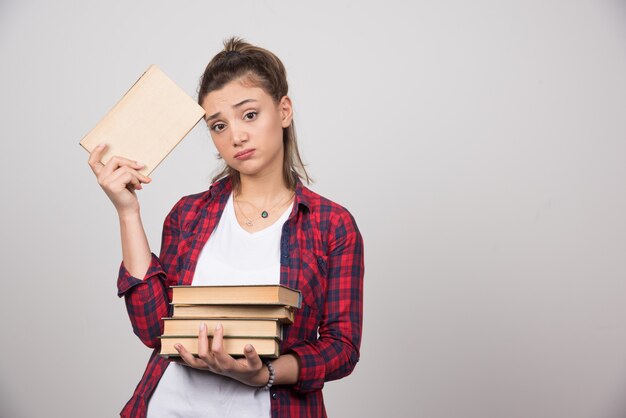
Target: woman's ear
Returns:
[[286, 111]]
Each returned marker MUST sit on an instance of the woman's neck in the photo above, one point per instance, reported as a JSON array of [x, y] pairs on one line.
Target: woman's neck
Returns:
[[262, 190]]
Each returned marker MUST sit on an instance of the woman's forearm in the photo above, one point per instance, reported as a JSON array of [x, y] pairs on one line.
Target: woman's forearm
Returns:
[[287, 369], [135, 248]]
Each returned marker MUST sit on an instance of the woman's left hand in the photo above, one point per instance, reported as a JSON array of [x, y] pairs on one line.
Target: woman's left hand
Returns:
[[248, 370]]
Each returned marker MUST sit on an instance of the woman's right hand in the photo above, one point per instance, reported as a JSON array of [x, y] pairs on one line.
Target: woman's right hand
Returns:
[[119, 179]]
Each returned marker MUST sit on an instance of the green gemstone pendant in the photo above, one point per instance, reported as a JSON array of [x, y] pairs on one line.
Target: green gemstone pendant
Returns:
[[264, 214]]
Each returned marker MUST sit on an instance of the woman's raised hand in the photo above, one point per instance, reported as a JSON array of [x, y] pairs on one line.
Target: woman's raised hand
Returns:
[[119, 179]]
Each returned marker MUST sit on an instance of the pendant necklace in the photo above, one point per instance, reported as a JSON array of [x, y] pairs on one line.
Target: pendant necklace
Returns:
[[264, 213]]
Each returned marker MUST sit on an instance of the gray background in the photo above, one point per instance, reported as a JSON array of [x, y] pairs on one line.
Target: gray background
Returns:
[[480, 146]]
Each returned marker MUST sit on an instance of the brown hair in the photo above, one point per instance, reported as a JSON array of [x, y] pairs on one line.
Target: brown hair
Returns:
[[261, 68]]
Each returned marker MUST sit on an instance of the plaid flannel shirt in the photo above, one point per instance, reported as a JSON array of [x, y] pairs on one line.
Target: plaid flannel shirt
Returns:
[[321, 254]]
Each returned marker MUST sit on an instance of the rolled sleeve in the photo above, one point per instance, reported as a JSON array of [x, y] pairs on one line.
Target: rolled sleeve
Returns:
[[146, 301], [312, 367], [125, 281]]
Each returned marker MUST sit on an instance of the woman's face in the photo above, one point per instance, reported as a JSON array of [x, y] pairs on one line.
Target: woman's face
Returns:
[[247, 127]]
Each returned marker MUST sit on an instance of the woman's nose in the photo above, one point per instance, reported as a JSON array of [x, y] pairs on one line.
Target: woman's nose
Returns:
[[239, 136]]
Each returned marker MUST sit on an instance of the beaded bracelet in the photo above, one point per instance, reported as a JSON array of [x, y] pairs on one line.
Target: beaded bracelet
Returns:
[[270, 381]]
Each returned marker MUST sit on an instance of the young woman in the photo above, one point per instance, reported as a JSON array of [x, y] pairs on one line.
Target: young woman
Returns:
[[257, 224]]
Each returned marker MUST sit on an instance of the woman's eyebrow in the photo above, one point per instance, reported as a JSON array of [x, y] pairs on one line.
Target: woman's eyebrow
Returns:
[[241, 103]]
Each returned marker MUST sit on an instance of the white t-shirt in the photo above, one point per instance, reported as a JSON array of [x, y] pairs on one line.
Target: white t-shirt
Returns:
[[231, 256]]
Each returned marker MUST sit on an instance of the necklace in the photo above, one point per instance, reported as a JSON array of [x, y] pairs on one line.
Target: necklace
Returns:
[[264, 213]]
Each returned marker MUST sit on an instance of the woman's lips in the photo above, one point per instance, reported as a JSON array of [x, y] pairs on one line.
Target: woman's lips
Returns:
[[245, 154]]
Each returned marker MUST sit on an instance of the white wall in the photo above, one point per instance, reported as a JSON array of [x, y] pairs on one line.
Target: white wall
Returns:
[[480, 146]]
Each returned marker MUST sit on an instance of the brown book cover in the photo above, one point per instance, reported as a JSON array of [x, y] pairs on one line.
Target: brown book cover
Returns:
[[283, 314], [237, 295], [147, 123], [265, 347], [232, 327]]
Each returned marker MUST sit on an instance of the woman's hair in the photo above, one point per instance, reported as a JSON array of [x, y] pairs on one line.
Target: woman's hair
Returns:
[[258, 67]]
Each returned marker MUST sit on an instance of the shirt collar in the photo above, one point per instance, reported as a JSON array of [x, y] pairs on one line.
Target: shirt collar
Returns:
[[302, 197]]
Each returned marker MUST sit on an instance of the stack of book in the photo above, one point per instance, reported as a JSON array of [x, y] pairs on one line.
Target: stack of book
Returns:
[[249, 315]]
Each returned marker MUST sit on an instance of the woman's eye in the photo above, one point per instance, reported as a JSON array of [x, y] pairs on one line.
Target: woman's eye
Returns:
[[218, 127], [250, 115]]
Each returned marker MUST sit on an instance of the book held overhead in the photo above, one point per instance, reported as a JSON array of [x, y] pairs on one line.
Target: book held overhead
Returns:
[[147, 123]]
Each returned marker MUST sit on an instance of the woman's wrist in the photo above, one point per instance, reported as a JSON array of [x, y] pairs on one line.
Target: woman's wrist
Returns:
[[286, 372], [129, 215], [271, 377], [259, 379], [263, 377]]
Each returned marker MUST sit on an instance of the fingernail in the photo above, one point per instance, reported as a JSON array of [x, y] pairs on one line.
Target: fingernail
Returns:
[[248, 348], [218, 326], [139, 164], [139, 187], [100, 145], [177, 347], [202, 326]]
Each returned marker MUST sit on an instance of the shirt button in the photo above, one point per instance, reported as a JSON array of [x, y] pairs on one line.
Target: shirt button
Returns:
[[274, 395]]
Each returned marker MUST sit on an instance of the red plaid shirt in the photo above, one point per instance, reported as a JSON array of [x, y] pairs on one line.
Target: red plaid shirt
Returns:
[[321, 254]]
